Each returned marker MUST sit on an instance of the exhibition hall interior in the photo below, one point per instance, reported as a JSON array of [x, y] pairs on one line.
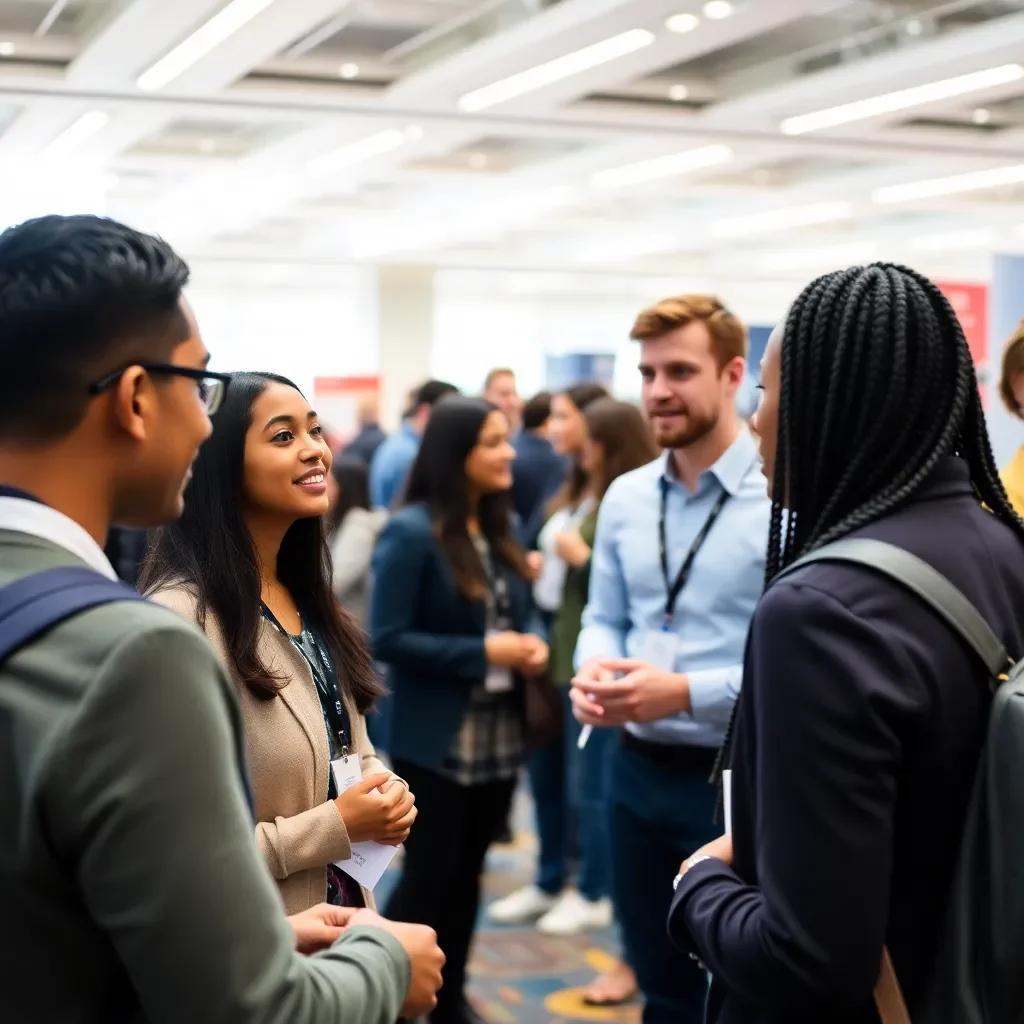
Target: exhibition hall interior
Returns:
[[374, 194]]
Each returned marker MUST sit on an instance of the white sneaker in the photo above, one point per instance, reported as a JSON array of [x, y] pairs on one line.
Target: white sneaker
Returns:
[[522, 906], [573, 914]]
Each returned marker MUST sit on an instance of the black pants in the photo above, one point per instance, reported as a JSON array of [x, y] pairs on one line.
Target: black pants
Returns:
[[658, 816], [444, 859]]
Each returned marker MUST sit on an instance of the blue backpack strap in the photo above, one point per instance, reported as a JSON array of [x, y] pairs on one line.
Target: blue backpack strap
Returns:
[[33, 605]]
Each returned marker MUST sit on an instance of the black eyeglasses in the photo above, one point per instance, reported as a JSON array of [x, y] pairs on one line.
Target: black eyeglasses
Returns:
[[211, 385]]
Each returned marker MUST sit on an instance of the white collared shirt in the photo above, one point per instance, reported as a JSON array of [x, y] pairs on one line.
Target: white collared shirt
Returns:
[[37, 520]]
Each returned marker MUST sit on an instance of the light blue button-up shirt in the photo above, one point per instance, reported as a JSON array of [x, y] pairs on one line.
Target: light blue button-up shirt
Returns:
[[391, 464], [713, 612]]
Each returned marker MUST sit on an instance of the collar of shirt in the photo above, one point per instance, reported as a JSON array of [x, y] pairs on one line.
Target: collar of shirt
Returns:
[[22, 513], [730, 470]]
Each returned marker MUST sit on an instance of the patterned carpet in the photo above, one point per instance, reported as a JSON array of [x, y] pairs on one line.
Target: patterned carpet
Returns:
[[520, 976]]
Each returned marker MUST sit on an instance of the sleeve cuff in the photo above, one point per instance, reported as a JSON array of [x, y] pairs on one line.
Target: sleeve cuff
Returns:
[[696, 878], [713, 691]]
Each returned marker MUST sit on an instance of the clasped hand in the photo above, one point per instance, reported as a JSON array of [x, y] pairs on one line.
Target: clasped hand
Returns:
[[321, 926], [379, 809], [522, 652], [641, 693]]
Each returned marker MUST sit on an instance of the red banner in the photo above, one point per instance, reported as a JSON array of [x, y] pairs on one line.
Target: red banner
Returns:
[[970, 303]]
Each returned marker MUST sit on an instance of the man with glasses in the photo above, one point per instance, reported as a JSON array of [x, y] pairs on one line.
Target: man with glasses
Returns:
[[131, 887]]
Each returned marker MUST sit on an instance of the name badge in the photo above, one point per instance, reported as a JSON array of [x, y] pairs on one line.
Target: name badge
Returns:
[[347, 772], [499, 680], [659, 649]]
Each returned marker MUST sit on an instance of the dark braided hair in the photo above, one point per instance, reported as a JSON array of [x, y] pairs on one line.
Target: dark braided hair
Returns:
[[877, 386]]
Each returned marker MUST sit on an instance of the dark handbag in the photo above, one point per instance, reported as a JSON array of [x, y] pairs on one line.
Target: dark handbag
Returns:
[[545, 712]]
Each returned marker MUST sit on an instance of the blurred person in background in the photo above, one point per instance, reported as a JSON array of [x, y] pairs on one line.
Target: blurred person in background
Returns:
[[370, 437], [449, 618], [126, 548], [395, 456], [538, 470], [863, 714], [248, 564], [566, 431], [1011, 390], [676, 570], [618, 440], [500, 390], [353, 528], [129, 875]]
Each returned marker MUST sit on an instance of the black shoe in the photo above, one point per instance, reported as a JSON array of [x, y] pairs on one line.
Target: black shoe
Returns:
[[461, 1014]]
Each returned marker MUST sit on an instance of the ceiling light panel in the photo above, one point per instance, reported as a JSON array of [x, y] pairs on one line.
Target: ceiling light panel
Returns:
[[224, 24], [781, 220], [903, 99], [556, 70], [77, 133], [973, 181], [662, 167], [358, 152]]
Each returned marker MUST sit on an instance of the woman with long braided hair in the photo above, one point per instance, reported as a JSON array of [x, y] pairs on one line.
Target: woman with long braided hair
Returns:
[[862, 714]]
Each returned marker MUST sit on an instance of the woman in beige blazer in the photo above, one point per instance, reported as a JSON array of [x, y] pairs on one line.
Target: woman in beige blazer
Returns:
[[248, 562]]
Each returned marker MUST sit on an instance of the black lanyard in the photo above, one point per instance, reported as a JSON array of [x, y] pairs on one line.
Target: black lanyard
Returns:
[[331, 702], [499, 589], [673, 591]]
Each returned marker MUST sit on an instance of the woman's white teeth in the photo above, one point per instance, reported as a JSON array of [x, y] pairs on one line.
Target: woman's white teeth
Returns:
[[316, 478]]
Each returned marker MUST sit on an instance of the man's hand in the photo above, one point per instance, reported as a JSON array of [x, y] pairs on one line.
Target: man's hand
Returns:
[[585, 710], [319, 927], [425, 956], [643, 694]]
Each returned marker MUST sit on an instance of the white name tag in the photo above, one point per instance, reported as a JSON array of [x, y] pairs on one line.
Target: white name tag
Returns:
[[499, 680], [659, 649], [347, 772]]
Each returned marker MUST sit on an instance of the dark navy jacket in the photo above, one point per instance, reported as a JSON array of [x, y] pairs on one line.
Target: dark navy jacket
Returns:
[[537, 473], [429, 635], [862, 718]]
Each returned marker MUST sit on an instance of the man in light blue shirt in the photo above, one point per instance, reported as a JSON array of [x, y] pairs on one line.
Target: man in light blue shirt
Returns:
[[395, 456], [676, 570]]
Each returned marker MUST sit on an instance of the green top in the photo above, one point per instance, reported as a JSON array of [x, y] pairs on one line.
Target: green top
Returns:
[[568, 619], [130, 873]]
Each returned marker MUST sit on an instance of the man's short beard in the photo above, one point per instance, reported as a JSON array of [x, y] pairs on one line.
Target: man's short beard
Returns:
[[696, 430]]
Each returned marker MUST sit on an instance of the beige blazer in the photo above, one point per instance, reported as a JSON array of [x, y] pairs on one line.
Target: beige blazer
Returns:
[[298, 831]]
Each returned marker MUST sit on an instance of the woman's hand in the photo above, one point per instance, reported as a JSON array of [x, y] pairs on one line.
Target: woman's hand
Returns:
[[376, 811], [720, 849], [535, 655], [572, 548], [534, 564], [506, 649]]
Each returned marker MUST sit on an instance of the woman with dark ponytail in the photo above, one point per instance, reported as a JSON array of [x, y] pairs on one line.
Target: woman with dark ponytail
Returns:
[[863, 713]]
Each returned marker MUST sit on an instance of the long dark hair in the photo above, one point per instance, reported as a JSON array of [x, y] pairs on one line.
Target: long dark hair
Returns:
[[438, 480], [625, 439], [581, 395], [877, 385], [353, 480], [209, 549]]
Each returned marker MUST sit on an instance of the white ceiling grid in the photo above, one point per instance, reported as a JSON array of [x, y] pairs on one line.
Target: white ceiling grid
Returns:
[[559, 134]]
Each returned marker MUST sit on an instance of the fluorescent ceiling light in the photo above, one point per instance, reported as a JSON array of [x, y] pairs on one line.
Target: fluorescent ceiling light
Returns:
[[682, 23], [780, 220], [224, 24], [903, 99], [7, 48], [662, 166], [716, 10], [76, 133], [969, 238], [358, 152], [556, 70], [971, 182], [349, 70]]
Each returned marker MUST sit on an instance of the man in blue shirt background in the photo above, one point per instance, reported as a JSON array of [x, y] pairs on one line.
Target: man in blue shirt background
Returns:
[[677, 568], [394, 458]]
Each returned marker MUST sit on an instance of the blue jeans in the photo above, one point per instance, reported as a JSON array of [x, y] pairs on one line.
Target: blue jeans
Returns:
[[658, 817], [570, 792]]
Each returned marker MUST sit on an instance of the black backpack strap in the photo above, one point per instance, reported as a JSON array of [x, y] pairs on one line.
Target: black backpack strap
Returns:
[[31, 606], [927, 583]]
